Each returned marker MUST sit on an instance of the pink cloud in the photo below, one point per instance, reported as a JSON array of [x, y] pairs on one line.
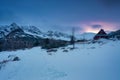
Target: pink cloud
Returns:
[[90, 26]]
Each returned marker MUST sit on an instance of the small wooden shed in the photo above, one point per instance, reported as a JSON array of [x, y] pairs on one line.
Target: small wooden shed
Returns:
[[101, 34]]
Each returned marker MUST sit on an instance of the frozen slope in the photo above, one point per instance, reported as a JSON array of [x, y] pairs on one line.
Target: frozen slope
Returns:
[[87, 62]]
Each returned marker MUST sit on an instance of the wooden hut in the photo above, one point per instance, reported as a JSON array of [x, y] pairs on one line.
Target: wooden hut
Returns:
[[101, 34]]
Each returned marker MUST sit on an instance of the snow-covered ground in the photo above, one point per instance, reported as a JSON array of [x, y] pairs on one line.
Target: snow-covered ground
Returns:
[[86, 62]]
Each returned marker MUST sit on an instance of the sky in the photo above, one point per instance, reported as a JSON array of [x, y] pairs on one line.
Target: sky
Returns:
[[62, 15]]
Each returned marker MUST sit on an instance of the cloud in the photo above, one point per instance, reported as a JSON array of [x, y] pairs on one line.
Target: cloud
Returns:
[[96, 26]]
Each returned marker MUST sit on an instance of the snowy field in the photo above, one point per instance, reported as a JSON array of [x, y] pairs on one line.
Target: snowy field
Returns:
[[86, 62]]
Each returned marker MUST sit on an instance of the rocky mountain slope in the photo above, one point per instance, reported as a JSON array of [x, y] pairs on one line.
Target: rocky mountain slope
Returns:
[[14, 37], [32, 30]]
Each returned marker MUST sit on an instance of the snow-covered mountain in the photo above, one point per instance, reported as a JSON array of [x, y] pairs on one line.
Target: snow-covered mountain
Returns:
[[87, 36], [32, 30], [5, 30], [14, 37], [57, 35], [49, 34]]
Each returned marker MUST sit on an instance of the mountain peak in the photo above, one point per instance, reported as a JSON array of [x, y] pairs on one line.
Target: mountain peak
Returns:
[[13, 24]]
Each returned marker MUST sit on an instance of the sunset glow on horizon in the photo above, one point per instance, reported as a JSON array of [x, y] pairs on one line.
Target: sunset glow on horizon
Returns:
[[94, 27]]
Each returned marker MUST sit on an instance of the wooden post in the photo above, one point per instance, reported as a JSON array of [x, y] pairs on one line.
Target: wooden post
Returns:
[[73, 38]]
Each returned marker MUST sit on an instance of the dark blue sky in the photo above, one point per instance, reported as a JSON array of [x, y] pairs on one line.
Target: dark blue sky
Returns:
[[62, 15]]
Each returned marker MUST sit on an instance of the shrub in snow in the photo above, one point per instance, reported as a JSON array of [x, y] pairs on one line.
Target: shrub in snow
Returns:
[[65, 50], [72, 48], [51, 50], [10, 59], [16, 59], [2, 63]]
